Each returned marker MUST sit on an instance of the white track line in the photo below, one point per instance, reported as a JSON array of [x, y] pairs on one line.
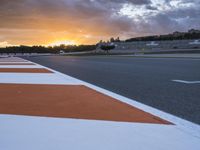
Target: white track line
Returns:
[[20, 66], [187, 82]]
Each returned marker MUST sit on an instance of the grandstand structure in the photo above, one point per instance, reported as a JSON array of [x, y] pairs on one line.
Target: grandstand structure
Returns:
[[156, 46]]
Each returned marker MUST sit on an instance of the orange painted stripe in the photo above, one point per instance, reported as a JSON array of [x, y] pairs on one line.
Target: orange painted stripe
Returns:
[[24, 70], [8, 64], [68, 101]]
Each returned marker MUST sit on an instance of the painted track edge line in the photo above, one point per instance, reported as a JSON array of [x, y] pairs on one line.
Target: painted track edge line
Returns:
[[181, 124]]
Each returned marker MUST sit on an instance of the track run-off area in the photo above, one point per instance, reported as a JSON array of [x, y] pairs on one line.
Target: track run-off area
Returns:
[[151, 81], [41, 108]]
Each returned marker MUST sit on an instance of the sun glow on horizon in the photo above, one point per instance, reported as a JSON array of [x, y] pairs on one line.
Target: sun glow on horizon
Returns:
[[65, 42]]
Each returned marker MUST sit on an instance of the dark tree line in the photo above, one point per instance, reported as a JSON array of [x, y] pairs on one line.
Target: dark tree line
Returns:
[[74, 48], [42, 49], [25, 49], [190, 35]]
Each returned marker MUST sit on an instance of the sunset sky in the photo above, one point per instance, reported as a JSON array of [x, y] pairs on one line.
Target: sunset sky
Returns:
[[53, 22]]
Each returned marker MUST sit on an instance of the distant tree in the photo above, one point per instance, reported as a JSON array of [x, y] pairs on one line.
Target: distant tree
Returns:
[[62, 46], [101, 41], [117, 39], [112, 39]]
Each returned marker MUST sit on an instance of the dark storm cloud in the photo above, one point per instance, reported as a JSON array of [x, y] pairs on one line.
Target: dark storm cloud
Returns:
[[99, 18], [36, 14], [179, 19], [136, 2]]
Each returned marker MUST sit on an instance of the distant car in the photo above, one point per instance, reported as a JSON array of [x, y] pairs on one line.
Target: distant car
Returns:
[[62, 52], [197, 42], [152, 44]]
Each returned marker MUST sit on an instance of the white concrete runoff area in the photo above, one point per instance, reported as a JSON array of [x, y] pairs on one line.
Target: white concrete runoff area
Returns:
[[41, 133]]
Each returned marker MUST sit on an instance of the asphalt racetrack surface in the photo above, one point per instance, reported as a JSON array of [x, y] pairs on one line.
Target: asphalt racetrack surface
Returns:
[[147, 80]]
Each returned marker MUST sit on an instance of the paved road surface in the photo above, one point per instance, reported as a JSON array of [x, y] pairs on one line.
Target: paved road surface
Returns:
[[147, 80]]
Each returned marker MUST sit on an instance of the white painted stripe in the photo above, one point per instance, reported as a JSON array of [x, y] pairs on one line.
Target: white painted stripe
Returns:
[[21, 66], [37, 78], [187, 82], [12, 62], [41, 133], [12, 59]]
